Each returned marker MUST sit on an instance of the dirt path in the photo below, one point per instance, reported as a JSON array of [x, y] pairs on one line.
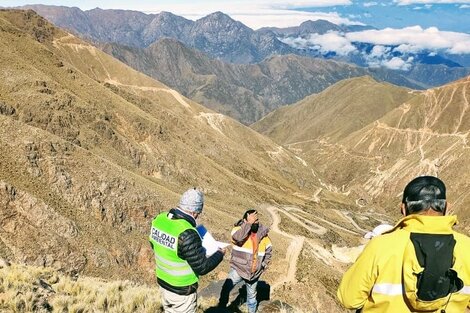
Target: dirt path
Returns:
[[350, 219], [297, 216], [174, 93], [292, 253], [330, 258]]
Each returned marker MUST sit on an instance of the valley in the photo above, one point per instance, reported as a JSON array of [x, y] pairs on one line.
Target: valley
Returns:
[[92, 149]]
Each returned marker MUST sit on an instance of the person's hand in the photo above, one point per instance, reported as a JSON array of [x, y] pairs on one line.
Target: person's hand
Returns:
[[252, 218], [223, 250]]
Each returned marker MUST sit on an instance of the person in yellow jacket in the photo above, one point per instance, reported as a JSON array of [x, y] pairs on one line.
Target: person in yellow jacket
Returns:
[[251, 255], [421, 265]]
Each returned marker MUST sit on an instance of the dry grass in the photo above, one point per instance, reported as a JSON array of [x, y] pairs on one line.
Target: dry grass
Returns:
[[35, 289], [40, 289]]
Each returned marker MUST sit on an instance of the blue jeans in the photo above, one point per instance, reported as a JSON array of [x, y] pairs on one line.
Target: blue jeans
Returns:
[[233, 279]]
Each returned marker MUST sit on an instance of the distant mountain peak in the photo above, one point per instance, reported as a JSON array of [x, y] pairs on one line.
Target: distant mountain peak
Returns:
[[320, 21], [166, 14], [219, 17]]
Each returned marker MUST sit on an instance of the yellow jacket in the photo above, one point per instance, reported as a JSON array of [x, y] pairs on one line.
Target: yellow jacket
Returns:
[[376, 282]]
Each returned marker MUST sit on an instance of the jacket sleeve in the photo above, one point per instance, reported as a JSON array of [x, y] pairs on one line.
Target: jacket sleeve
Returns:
[[239, 237], [268, 253], [359, 279], [190, 249]]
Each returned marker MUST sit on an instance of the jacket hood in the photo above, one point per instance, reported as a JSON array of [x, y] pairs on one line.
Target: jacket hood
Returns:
[[263, 231]]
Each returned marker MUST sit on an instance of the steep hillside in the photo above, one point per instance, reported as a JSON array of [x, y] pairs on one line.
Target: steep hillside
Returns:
[[426, 134], [343, 108], [92, 150], [418, 133], [99, 149], [244, 92]]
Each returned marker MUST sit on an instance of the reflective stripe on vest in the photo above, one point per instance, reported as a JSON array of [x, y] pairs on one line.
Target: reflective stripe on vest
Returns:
[[465, 290], [388, 289], [173, 268], [164, 237]]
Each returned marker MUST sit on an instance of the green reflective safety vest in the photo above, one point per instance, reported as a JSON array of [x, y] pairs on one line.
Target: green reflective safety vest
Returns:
[[164, 238]]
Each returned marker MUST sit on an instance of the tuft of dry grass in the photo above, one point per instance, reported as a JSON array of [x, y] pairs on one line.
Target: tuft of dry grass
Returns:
[[34, 289]]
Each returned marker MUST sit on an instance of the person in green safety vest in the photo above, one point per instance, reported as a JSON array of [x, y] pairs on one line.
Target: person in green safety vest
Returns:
[[179, 255]]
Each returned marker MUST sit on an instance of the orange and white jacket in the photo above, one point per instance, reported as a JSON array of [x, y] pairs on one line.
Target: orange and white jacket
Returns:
[[251, 252]]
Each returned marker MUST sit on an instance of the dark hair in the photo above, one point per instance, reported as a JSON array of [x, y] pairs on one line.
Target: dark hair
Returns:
[[250, 211], [423, 193], [245, 216]]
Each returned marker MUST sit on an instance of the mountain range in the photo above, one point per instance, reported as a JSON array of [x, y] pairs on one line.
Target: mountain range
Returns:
[[99, 149], [91, 150], [245, 92], [211, 65], [217, 34]]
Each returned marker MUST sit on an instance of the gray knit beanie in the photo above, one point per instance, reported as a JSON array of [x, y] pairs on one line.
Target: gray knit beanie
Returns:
[[192, 200]]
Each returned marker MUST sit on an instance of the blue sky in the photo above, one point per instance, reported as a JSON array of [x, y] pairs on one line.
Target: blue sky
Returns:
[[449, 15]]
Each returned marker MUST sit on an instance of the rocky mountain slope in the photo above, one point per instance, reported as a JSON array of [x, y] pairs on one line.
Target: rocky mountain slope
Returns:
[[92, 150], [335, 113], [165, 46], [216, 34], [409, 133], [245, 92]]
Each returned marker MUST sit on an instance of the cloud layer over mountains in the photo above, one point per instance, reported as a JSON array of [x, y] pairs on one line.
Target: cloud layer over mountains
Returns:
[[386, 44]]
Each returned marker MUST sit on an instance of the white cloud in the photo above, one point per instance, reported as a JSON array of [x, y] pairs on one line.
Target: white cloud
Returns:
[[408, 40], [386, 43], [332, 41], [329, 42], [407, 48], [369, 4], [415, 39], [382, 56], [409, 2], [379, 51], [398, 64]]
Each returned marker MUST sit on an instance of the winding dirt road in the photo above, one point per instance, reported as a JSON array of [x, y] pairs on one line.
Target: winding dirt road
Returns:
[[292, 253], [330, 258]]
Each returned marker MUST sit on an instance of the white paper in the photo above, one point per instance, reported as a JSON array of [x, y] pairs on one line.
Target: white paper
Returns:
[[208, 241]]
